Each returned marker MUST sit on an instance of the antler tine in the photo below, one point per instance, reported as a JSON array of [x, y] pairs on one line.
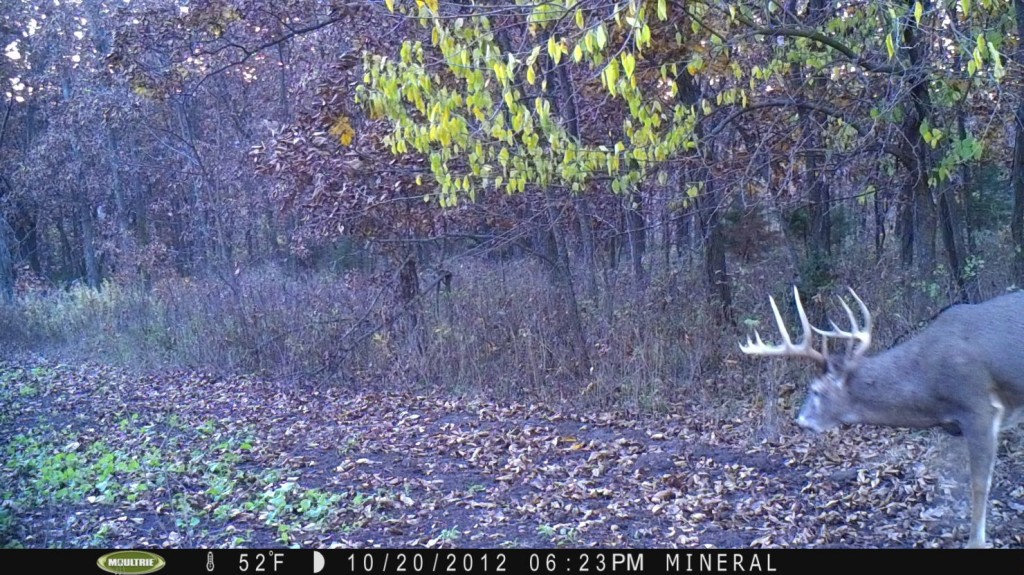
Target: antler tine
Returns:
[[778, 321], [805, 324], [787, 348], [865, 332], [849, 314], [856, 333]]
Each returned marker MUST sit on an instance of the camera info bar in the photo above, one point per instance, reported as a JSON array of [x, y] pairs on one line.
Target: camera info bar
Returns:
[[496, 561]]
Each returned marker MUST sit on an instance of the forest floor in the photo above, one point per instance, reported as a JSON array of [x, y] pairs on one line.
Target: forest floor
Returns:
[[96, 456]]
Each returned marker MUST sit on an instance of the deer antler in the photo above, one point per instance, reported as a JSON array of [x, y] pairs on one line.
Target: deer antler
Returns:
[[787, 348], [857, 333]]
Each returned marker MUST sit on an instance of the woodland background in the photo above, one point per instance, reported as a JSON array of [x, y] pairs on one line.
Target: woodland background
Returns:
[[236, 235], [581, 201]]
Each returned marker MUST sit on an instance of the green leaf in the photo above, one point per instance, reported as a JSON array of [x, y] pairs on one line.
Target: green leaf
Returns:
[[997, 62], [925, 129], [696, 65], [662, 10], [889, 47], [918, 12], [579, 19]]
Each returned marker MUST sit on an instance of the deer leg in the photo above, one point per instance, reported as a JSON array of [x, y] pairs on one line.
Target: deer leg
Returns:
[[982, 435]]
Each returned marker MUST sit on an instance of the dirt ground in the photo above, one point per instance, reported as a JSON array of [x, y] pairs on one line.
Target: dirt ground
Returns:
[[101, 457]]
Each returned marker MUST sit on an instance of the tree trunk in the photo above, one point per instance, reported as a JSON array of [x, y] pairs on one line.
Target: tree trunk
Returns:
[[567, 291], [717, 273], [635, 233], [918, 217], [91, 261], [69, 268], [565, 102], [409, 293], [1017, 222], [562, 267], [707, 205], [816, 271], [950, 225], [26, 239], [879, 205], [6, 262]]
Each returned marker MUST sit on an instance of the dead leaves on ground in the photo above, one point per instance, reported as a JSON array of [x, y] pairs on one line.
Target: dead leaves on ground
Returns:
[[238, 461]]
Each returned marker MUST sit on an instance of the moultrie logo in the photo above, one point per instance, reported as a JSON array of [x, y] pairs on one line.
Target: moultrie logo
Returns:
[[131, 562]]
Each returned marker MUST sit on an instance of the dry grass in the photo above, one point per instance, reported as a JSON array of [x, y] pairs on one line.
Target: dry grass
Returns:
[[500, 331]]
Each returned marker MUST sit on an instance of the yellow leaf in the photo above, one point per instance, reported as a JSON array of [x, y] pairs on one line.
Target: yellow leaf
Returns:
[[662, 10], [342, 129], [577, 53], [542, 107], [889, 46], [918, 11], [533, 55], [628, 64], [611, 74], [531, 76], [554, 49], [390, 4], [579, 19], [601, 36]]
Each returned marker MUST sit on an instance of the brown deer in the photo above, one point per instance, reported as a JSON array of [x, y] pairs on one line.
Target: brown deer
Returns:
[[964, 373]]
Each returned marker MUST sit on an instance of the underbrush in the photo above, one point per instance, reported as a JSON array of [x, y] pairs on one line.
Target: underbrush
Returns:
[[500, 330]]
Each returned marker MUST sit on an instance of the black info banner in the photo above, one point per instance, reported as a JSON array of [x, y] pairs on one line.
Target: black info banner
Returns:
[[515, 561]]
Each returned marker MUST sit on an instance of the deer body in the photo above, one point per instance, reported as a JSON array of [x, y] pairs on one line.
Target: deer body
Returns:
[[964, 372]]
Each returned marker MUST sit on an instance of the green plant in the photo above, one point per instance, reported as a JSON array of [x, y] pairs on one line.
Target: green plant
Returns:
[[450, 535], [559, 534]]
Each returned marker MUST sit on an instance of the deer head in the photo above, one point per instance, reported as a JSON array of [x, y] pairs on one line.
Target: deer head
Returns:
[[829, 403]]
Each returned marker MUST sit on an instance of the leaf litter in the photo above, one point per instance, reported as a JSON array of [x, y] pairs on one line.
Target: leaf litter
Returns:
[[97, 456]]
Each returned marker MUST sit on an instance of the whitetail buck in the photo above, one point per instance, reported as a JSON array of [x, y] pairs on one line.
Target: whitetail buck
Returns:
[[964, 373]]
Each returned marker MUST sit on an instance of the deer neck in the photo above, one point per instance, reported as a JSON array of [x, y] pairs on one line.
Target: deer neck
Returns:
[[894, 388]]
